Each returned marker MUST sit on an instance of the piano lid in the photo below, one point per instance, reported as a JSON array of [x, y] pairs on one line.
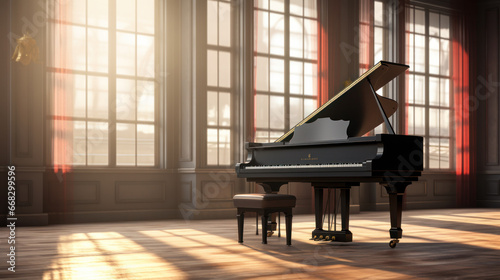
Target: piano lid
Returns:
[[356, 103]]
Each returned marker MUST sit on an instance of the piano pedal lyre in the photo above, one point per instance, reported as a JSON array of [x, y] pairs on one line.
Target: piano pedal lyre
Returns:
[[393, 243]]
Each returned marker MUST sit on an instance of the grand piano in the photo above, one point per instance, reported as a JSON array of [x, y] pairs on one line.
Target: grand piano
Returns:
[[329, 150]]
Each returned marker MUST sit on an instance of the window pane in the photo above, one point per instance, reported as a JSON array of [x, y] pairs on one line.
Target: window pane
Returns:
[[310, 79], [125, 15], [419, 119], [445, 92], [310, 39], [97, 143], [277, 32], [419, 89], [224, 109], [145, 101], [310, 8], [277, 113], [145, 56], [434, 122], [263, 4], [224, 69], [224, 24], [72, 11], [296, 76], [261, 31], [445, 26], [145, 16], [79, 144], [212, 65], [434, 91], [125, 144], [262, 136], [296, 7], [419, 21], [224, 146], [97, 50], [145, 144], [262, 73], [378, 44], [296, 110], [70, 92], [212, 110], [212, 26], [98, 13], [434, 151], [444, 157], [212, 158], [277, 5], [411, 120], [434, 24], [378, 14], [70, 46], [296, 37], [277, 75], [125, 99], [444, 126], [262, 111], [434, 61], [444, 60], [125, 53], [419, 53], [309, 106], [97, 97]]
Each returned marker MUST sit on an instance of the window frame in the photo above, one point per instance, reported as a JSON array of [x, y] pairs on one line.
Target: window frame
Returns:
[[272, 132], [427, 76], [111, 75]]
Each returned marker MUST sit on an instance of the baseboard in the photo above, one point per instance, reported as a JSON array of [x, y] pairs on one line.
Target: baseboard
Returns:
[[112, 216], [23, 220]]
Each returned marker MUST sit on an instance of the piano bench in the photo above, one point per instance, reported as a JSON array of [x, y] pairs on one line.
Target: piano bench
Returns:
[[265, 204]]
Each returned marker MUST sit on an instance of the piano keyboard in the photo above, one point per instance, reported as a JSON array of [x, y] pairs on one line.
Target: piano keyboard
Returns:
[[326, 165]]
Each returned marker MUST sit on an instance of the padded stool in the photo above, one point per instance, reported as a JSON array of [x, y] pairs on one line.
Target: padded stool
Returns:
[[265, 204]]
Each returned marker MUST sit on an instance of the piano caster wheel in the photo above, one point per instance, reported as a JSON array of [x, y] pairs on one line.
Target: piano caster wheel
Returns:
[[270, 233], [393, 243]]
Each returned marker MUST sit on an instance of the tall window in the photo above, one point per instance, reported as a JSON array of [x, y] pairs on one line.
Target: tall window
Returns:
[[101, 74], [373, 40], [219, 82], [285, 65], [429, 102]]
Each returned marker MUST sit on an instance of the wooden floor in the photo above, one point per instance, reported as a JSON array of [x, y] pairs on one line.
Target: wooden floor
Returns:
[[437, 244]]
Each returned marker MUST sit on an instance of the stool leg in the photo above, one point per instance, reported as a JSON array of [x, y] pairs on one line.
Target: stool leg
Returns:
[[256, 223], [279, 223], [240, 217], [264, 228], [288, 227]]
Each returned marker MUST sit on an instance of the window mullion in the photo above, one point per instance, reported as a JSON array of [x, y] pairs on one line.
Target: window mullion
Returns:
[[287, 66], [112, 84]]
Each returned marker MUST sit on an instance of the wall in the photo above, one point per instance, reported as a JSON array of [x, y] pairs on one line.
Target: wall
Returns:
[[487, 103]]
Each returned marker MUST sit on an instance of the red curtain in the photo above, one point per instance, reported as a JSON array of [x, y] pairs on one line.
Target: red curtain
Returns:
[[323, 73], [365, 35], [464, 118], [62, 138]]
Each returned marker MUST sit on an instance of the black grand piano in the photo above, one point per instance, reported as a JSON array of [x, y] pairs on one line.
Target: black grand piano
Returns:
[[328, 149]]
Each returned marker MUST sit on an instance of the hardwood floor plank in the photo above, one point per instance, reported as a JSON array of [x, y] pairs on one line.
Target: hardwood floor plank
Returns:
[[436, 244]]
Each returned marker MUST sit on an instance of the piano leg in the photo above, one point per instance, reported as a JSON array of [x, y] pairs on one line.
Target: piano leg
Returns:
[[396, 192], [318, 208], [345, 197]]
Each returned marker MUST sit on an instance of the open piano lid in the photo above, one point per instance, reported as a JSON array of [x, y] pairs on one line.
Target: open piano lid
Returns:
[[356, 103]]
